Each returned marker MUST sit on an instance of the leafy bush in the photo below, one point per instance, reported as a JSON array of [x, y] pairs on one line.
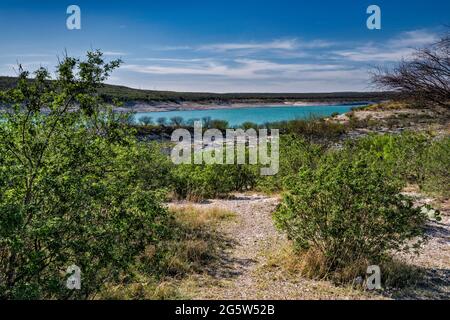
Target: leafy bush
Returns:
[[197, 182], [436, 168], [401, 156], [191, 245], [176, 121], [249, 125], [146, 120], [154, 168], [70, 187], [347, 213], [314, 129], [411, 157], [295, 154]]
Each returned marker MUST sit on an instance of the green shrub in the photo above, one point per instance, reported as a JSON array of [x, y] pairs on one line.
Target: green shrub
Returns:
[[153, 167], [249, 125], [295, 154], [347, 213], [411, 157], [197, 182], [311, 129], [70, 186], [436, 168], [401, 156], [221, 125]]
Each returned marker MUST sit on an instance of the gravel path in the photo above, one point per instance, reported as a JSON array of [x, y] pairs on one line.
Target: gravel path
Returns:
[[434, 258], [249, 233], [241, 272]]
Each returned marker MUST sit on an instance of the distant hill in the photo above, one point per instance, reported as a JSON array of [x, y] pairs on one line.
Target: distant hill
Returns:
[[131, 95]]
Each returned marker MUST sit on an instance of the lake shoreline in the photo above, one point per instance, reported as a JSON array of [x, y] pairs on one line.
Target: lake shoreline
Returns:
[[192, 106], [258, 114]]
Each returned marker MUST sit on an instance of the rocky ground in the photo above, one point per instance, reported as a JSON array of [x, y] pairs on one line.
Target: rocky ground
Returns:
[[435, 256], [394, 118], [256, 264]]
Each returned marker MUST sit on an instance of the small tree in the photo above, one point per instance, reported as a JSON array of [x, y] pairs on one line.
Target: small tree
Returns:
[[348, 213], [206, 122], [425, 78], [219, 124], [161, 121], [249, 125], [70, 191], [176, 121], [146, 120]]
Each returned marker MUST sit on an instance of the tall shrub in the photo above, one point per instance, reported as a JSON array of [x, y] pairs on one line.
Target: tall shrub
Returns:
[[70, 191], [349, 213]]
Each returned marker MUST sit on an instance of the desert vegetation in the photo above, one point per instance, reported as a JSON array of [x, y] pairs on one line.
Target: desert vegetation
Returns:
[[81, 184]]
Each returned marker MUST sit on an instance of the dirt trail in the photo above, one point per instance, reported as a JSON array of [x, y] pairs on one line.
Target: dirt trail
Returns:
[[242, 272], [249, 232]]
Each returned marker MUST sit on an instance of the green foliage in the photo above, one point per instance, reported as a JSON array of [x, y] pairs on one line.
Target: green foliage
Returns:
[[146, 120], [312, 129], [295, 153], [176, 121], [161, 121], [197, 182], [411, 157], [436, 168], [348, 210], [153, 168], [219, 124], [70, 185], [76, 187], [249, 125]]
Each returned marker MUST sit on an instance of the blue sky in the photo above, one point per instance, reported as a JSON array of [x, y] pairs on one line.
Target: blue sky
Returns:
[[224, 46]]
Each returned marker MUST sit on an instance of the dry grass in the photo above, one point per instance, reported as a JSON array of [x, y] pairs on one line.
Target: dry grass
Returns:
[[153, 290], [192, 247], [284, 273], [200, 217], [311, 264], [391, 105], [194, 243]]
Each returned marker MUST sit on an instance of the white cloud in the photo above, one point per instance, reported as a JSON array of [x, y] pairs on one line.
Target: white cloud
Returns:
[[286, 44], [252, 46], [374, 54], [27, 55], [280, 65], [413, 39], [395, 49], [30, 65], [237, 68], [114, 53], [174, 60], [289, 44]]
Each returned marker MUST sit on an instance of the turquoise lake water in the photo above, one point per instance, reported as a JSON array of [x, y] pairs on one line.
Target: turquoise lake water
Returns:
[[256, 114]]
